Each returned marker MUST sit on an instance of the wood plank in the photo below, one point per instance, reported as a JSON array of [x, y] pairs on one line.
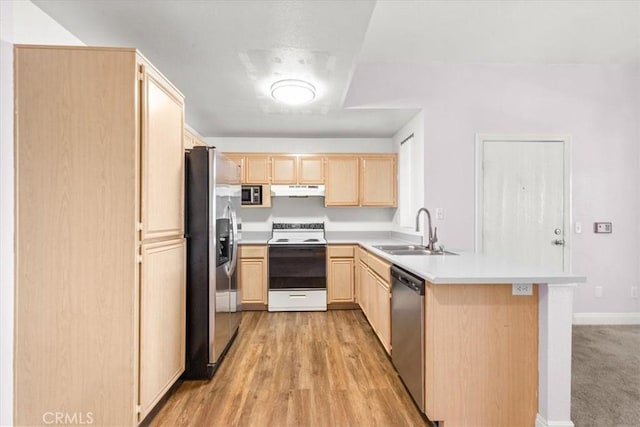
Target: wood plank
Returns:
[[298, 369]]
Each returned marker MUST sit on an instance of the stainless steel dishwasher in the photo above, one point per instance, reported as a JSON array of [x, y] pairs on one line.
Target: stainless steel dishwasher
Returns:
[[407, 331]]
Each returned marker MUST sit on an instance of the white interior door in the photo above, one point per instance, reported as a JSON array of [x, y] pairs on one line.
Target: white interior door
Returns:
[[522, 201]]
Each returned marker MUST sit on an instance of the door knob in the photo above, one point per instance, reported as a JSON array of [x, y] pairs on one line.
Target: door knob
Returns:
[[557, 232], [558, 242]]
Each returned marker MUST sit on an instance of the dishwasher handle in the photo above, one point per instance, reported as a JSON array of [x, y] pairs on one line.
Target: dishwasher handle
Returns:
[[407, 279]]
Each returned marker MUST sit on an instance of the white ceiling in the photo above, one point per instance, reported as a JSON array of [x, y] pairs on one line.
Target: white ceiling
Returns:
[[504, 31], [224, 55]]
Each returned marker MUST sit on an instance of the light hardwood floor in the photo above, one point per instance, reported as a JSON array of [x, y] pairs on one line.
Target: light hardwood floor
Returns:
[[302, 369]]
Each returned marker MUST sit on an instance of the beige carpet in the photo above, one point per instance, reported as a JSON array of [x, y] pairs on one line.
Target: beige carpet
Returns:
[[605, 386]]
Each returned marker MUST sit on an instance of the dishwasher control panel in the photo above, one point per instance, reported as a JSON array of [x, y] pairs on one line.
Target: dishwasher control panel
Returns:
[[407, 279]]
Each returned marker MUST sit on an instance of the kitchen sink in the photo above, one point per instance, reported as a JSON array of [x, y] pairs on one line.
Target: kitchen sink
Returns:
[[411, 250]]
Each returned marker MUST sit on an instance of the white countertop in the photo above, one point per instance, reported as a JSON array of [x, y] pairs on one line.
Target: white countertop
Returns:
[[470, 267], [464, 268]]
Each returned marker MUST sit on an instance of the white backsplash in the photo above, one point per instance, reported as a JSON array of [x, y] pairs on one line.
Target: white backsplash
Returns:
[[312, 209]]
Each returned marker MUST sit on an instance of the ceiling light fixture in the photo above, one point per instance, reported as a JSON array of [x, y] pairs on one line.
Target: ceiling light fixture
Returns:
[[293, 92]]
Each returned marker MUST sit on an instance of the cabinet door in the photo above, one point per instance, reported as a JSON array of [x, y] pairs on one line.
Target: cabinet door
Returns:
[[256, 169], [252, 277], [340, 283], [378, 181], [342, 181], [162, 159], [383, 314], [239, 160], [362, 287], [162, 319], [284, 169], [311, 170], [371, 294]]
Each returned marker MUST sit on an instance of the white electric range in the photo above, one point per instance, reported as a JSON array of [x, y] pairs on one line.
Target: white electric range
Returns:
[[297, 267]]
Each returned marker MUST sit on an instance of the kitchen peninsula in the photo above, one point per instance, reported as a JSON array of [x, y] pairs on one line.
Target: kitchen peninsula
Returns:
[[497, 336]]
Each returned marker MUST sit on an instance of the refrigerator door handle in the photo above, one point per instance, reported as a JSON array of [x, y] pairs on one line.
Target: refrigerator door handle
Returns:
[[234, 249]]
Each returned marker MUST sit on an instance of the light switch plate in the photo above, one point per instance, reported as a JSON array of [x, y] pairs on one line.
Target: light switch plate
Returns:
[[578, 227], [602, 227], [522, 289]]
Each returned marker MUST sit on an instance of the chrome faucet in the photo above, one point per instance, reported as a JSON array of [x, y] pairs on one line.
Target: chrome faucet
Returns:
[[433, 234]]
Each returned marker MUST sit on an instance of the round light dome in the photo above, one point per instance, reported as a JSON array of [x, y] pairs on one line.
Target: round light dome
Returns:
[[293, 92]]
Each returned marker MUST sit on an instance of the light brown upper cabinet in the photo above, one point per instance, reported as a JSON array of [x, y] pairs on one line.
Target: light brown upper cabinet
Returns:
[[378, 180], [162, 158], [256, 169], [239, 160], [99, 317], [361, 180], [284, 169], [341, 181], [297, 169], [310, 169]]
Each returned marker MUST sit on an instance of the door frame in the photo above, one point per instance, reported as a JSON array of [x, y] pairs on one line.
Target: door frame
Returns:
[[479, 191]]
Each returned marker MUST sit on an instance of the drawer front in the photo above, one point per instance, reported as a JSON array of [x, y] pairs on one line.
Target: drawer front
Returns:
[[298, 300], [381, 267], [252, 251], [340, 251], [362, 255]]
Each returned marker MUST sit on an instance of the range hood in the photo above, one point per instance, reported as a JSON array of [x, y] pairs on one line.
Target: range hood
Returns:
[[297, 190]]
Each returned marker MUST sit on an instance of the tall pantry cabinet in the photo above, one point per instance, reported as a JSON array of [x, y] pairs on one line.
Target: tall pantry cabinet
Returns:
[[100, 249]]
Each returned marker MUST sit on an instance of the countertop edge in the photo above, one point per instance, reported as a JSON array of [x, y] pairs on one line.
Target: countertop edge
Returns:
[[440, 279]]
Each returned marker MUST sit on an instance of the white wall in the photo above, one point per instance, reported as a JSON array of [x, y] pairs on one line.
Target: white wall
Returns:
[[311, 209], [597, 105], [21, 22]]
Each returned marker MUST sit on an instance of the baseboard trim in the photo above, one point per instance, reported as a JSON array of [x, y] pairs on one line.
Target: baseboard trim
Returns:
[[606, 318], [541, 422]]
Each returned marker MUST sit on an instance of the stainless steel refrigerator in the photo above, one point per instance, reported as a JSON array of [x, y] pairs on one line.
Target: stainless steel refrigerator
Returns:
[[213, 194]]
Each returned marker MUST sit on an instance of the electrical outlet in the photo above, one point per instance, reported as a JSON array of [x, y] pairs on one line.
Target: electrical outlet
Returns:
[[602, 227], [598, 291], [439, 213], [522, 289], [634, 292]]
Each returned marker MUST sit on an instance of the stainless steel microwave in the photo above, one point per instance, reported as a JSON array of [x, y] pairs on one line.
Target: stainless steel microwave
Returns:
[[251, 194]]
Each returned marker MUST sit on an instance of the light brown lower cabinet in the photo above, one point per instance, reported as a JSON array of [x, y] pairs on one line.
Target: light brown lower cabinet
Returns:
[[340, 274], [252, 276], [162, 320], [479, 341], [363, 287], [374, 294], [481, 347], [383, 312]]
